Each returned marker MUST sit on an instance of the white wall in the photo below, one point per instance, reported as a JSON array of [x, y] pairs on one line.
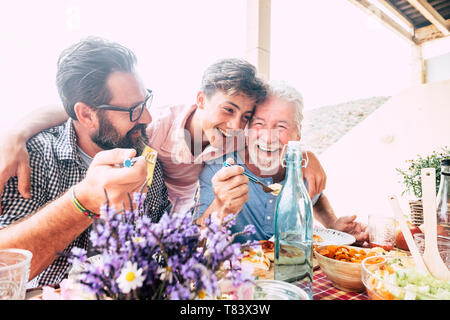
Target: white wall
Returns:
[[438, 68], [361, 166]]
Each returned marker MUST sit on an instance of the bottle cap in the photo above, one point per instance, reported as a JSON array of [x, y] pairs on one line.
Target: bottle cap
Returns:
[[444, 162]]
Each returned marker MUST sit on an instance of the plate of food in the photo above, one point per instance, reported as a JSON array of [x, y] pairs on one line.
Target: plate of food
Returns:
[[268, 247], [324, 237], [259, 258], [256, 258]]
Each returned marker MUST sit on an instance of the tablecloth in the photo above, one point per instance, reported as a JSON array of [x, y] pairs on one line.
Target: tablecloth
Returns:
[[323, 289]]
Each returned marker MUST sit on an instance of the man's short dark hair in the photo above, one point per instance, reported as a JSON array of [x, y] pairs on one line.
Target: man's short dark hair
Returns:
[[83, 70], [234, 76]]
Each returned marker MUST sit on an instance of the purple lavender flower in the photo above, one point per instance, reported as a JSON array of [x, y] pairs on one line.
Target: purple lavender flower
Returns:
[[177, 259], [138, 199]]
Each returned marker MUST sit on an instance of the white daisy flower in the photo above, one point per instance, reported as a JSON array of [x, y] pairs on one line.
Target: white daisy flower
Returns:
[[130, 277], [165, 272], [139, 241]]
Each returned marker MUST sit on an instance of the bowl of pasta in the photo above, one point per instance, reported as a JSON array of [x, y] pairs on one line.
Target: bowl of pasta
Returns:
[[342, 265]]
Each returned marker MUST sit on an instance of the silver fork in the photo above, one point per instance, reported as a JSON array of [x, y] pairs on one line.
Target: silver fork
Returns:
[[253, 179]]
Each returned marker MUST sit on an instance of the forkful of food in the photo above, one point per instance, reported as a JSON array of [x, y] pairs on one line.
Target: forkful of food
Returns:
[[267, 189]]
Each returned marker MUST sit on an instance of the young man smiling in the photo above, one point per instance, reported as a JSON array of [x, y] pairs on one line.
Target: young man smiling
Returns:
[[186, 136], [226, 191]]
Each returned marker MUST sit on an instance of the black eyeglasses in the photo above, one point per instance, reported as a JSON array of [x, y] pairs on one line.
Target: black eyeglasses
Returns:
[[135, 111]]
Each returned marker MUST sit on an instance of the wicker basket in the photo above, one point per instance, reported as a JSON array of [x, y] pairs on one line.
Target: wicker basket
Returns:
[[416, 212]]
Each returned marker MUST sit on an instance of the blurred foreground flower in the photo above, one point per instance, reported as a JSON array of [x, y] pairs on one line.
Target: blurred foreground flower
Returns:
[[171, 259]]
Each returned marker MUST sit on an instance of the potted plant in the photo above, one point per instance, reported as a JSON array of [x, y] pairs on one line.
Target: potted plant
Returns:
[[412, 179]]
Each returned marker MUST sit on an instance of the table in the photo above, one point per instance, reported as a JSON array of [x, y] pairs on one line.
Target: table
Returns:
[[323, 289]]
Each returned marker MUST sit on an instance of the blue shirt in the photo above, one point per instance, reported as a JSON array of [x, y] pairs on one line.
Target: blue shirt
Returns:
[[259, 210]]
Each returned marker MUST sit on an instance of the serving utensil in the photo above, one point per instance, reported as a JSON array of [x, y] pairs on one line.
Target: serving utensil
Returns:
[[253, 179], [431, 254], [420, 265]]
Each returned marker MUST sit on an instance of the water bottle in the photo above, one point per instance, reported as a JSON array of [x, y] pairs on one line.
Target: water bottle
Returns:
[[443, 196], [294, 225]]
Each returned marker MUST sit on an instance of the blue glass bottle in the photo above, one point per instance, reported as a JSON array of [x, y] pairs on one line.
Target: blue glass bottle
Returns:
[[294, 225]]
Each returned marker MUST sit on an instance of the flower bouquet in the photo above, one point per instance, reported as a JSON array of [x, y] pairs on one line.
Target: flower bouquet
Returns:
[[171, 259]]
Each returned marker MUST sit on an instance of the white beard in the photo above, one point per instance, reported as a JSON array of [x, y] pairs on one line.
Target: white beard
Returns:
[[267, 164]]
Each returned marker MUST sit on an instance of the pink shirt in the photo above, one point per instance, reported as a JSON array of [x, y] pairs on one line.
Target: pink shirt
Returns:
[[166, 135]]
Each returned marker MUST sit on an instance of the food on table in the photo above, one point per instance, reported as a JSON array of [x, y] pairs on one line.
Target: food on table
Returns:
[[336, 262], [440, 230], [344, 253], [290, 255], [385, 247], [276, 187], [393, 253], [256, 258], [400, 241], [317, 238], [268, 248], [399, 280]]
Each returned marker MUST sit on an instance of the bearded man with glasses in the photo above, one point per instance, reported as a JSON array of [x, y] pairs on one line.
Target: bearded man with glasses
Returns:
[[107, 105], [107, 136]]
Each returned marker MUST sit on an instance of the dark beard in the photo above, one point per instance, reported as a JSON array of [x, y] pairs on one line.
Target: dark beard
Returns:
[[108, 138]]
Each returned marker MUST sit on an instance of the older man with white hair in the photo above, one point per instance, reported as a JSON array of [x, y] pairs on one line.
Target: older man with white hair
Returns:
[[225, 190]]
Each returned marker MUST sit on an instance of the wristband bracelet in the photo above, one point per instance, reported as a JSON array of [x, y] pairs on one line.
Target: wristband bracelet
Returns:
[[80, 207]]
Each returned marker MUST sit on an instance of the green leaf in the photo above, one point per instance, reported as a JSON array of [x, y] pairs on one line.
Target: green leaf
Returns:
[[411, 176]]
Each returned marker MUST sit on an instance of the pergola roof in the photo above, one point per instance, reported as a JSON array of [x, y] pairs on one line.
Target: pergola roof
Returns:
[[424, 20], [417, 19]]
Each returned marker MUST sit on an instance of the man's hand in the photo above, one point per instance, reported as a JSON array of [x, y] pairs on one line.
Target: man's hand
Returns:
[[314, 174], [349, 225], [103, 174], [14, 161], [231, 188]]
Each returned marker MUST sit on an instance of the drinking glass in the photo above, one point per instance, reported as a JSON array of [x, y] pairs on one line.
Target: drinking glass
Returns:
[[14, 273], [381, 232]]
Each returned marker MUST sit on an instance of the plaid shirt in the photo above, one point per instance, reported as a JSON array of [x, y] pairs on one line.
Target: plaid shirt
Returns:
[[55, 167]]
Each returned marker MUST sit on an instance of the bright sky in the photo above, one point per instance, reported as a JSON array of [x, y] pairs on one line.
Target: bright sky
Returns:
[[334, 52], [329, 49]]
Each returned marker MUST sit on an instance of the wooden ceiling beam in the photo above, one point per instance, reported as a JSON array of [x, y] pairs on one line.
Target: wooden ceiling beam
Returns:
[[389, 6], [428, 33], [431, 14], [377, 13]]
